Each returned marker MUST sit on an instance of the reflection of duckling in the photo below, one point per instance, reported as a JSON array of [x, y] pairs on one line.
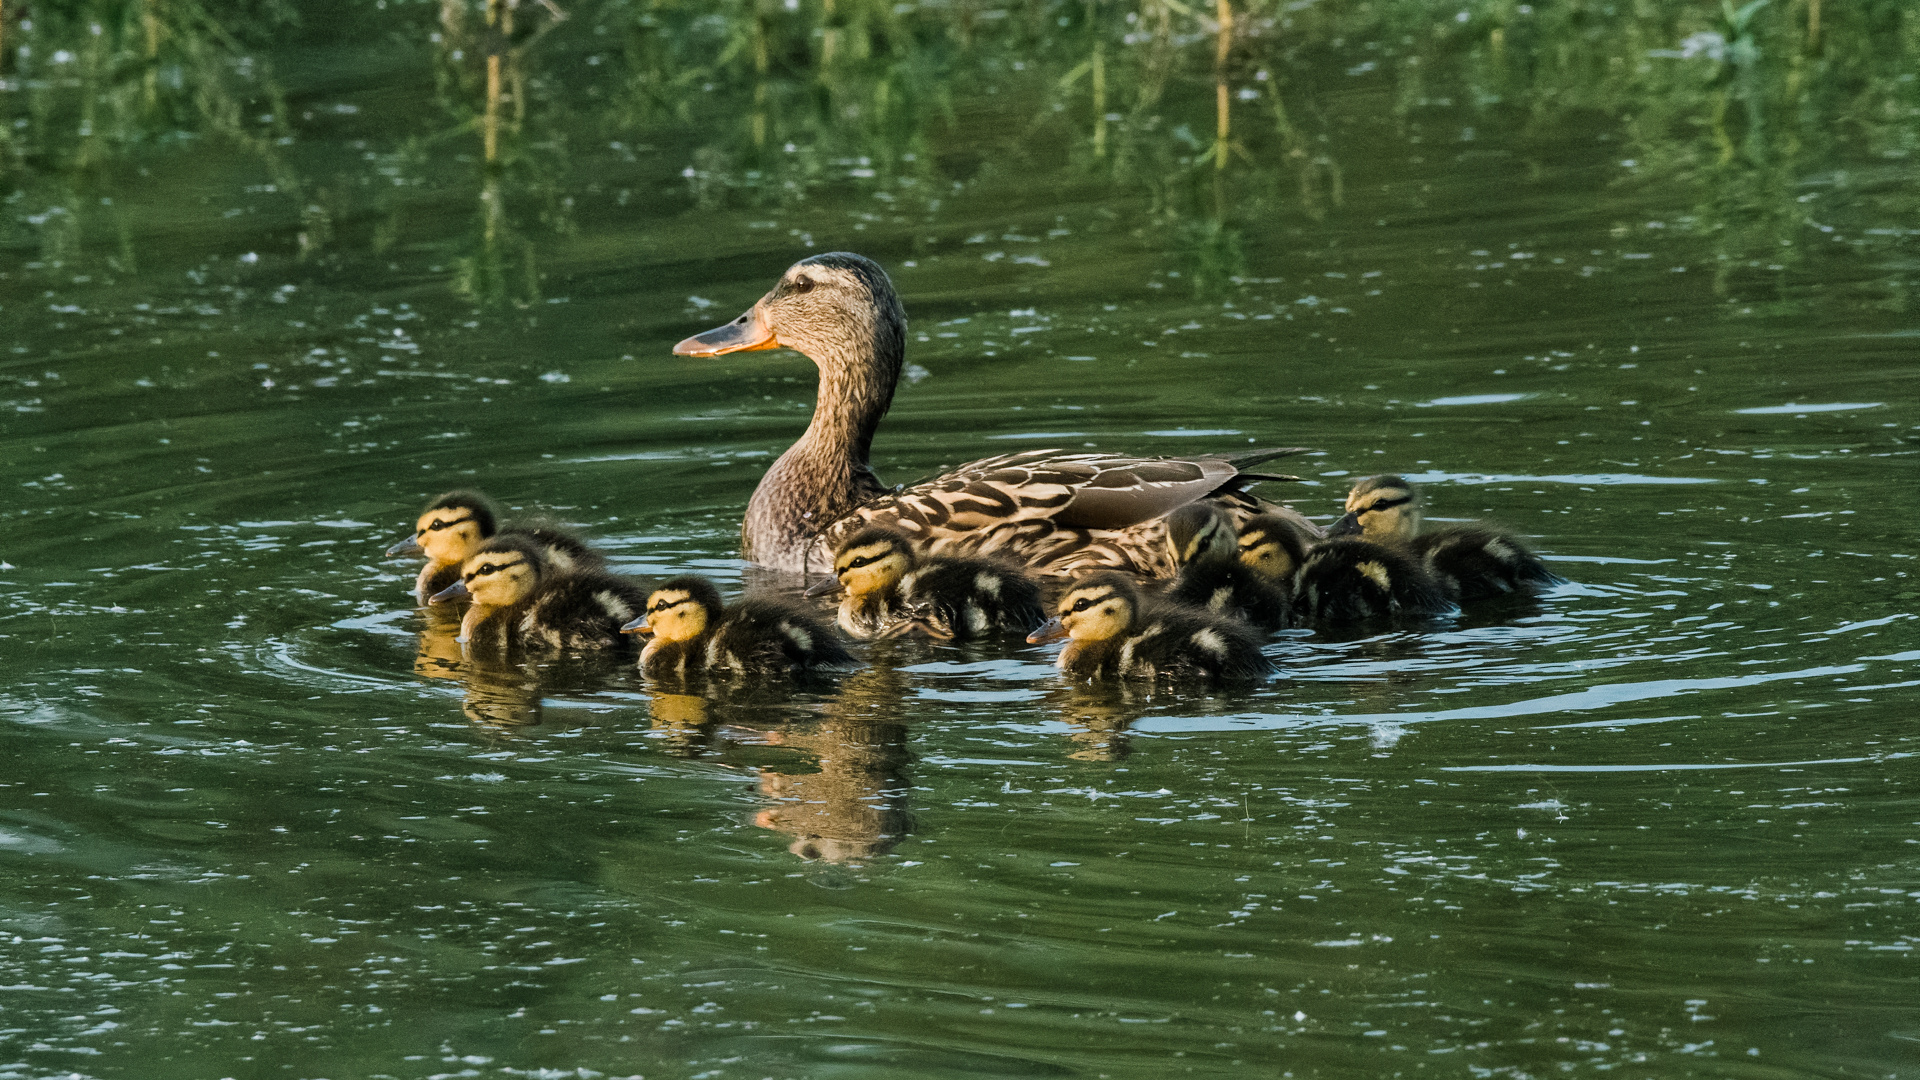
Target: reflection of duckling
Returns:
[[1113, 635], [521, 599], [1346, 580], [1474, 561], [693, 632], [888, 581], [453, 526], [1205, 548], [853, 804]]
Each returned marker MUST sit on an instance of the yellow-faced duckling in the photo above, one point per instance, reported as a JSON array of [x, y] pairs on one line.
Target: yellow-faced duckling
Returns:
[[1273, 547], [520, 598], [1206, 548], [890, 585], [453, 527], [1053, 511], [1475, 561], [693, 631], [1112, 632]]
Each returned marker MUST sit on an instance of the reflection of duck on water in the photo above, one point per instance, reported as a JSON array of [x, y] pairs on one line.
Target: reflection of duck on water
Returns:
[[855, 806], [496, 694], [1099, 714]]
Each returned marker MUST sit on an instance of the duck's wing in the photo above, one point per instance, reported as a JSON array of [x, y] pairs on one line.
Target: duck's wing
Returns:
[[1056, 510]]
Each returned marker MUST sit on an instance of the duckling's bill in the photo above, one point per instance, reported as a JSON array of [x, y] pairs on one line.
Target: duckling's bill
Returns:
[[1052, 630], [826, 586], [637, 626], [456, 591], [409, 546], [1348, 525], [747, 333]]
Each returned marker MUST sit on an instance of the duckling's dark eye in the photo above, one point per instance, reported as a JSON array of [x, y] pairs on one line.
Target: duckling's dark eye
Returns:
[[1082, 604], [803, 284]]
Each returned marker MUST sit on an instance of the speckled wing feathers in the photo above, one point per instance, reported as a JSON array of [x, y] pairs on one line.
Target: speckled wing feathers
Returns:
[[1057, 512]]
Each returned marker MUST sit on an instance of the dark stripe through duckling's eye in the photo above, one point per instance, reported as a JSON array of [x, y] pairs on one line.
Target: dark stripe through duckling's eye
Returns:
[[665, 604], [490, 568], [438, 525], [1086, 602], [1388, 504]]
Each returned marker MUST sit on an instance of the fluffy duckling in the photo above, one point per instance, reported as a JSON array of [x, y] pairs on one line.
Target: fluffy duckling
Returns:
[[453, 527], [890, 586], [1205, 547], [1347, 580], [1112, 633], [694, 632], [520, 598], [1273, 547], [1474, 561]]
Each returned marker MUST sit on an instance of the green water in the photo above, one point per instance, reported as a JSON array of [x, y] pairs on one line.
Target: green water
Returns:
[[259, 820]]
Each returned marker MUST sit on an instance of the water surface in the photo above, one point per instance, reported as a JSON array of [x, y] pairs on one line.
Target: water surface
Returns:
[[262, 819]]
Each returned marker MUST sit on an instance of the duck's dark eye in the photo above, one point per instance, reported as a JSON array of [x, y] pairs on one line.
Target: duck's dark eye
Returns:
[[438, 525], [1082, 604], [803, 284]]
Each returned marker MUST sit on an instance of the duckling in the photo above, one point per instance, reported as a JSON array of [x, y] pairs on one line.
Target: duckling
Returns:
[[1273, 547], [1347, 579], [890, 586], [521, 598], [694, 632], [1475, 561], [1113, 634], [1204, 546], [454, 525]]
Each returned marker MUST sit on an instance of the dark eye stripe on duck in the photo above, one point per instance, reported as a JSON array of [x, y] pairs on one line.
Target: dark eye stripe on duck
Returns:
[[865, 558], [1386, 504], [668, 604], [436, 526], [494, 568], [1083, 602]]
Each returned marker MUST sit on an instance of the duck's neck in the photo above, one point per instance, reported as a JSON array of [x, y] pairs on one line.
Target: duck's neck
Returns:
[[824, 475]]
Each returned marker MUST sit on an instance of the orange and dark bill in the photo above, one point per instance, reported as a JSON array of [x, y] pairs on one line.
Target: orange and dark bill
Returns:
[[744, 334], [1051, 630]]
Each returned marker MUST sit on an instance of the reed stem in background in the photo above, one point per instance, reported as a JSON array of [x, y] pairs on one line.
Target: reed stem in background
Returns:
[[1222, 98]]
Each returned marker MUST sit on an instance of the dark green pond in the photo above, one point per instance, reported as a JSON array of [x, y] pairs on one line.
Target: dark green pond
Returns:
[[1637, 283]]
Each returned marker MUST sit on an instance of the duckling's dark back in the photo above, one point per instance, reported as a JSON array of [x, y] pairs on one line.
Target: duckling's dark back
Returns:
[[564, 549], [580, 609], [1176, 641], [1234, 590], [1348, 580], [973, 597], [1477, 562], [764, 635]]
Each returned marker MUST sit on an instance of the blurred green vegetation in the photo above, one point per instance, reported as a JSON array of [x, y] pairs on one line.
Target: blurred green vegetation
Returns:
[[1764, 117]]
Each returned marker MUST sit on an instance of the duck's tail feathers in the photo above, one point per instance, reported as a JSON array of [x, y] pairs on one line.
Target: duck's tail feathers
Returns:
[[1246, 459]]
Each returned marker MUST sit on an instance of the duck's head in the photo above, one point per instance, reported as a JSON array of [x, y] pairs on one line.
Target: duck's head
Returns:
[[872, 559], [450, 529], [839, 309], [501, 572], [679, 610], [1271, 547], [1097, 608], [1380, 508], [1201, 533]]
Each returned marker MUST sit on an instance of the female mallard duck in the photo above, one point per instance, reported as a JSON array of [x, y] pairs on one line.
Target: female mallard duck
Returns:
[[1054, 512], [890, 586], [453, 526], [1112, 633], [520, 597], [1204, 546], [1475, 561], [694, 632]]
